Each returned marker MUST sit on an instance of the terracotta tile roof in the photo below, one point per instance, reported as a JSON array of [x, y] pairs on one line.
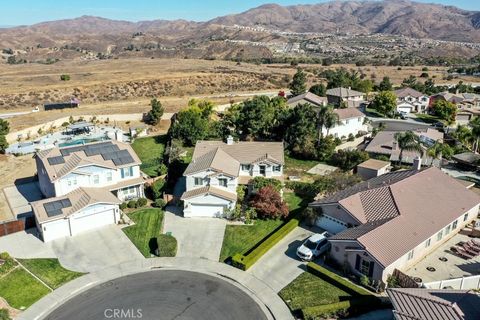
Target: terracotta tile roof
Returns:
[[215, 159], [348, 113], [428, 304], [244, 152], [126, 183], [309, 97], [69, 158], [374, 164], [344, 92], [358, 231], [405, 92], [209, 190], [79, 199]]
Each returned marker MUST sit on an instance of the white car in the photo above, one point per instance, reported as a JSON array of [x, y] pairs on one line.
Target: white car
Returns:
[[314, 246]]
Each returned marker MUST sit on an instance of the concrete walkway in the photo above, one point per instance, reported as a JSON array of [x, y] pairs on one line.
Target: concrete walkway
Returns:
[[196, 237], [268, 300], [280, 265], [26, 245]]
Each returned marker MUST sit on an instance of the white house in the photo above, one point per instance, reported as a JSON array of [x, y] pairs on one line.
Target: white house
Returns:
[[87, 182], [347, 96], [218, 168], [351, 121], [410, 100]]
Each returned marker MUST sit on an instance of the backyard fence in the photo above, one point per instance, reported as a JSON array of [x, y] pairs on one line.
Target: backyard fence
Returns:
[[464, 283], [11, 227]]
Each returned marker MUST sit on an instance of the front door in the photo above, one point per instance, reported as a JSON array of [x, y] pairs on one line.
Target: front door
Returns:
[[262, 170]]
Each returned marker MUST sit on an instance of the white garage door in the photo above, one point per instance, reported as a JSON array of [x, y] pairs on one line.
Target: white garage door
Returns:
[[55, 229], [404, 109], [329, 224], [88, 222], [205, 210]]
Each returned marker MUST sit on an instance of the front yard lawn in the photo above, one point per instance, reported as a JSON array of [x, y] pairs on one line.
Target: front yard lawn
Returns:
[[49, 271], [241, 238], [148, 225], [150, 150], [21, 289], [308, 290]]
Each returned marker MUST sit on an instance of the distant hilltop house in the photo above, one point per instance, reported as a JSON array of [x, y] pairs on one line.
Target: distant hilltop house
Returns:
[[384, 143], [390, 222], [345, 96], [217, 168], [74, 103], [84, 186], [410, 100], [351, 120]]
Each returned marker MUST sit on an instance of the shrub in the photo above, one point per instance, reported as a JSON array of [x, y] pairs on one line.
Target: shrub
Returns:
[[123, 206], [348, 159], [167, 245], [260, 182], [132, 204], [141, 202], [244, 262], [162, 169], [269, 204], [157, 189], [65, 124], [351, 137], [4, 314], [332, 309], [159, 203], [65, 77]]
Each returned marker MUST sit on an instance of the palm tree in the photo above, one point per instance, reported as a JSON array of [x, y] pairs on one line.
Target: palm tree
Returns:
[[407, 141], [438, 150], [464, 135], [327, 119], [475, 124]]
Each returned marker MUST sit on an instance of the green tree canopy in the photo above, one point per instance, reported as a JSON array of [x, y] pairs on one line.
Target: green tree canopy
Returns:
[[190, 126], [407, 141], [4, 130], [385, 103], [300, 135], [445, 110], [319, 89], [385, 85], [298, 84], [155, 114]]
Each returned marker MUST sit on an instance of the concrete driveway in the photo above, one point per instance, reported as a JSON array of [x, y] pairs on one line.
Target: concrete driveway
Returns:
[[280, 265], [95, 250], [196, 237], [26, 245]]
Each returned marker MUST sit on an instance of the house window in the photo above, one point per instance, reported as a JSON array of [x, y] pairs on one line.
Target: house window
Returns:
[[222, 182], [447, 229], [427, 243], [410, 255], [127, 172], [365, 267], [439, 235], [72, 181], [109, 176], [276, 168], [96, 179], [262, 170], [198, 181], [465, 217], [347, 121], [245, 167], [454, 225]]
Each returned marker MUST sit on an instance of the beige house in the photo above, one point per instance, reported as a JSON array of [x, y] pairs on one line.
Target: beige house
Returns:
[[373, 168], [394, 220], [347, 96], [307, 97]]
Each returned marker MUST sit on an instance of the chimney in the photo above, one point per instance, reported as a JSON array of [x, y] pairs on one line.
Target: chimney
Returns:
[[417, 163], [394, 145], [229, 140]]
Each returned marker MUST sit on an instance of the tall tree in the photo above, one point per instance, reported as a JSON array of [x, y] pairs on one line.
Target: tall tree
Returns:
[[385, 103], [4, 130], [190, 126], [300, 135], [326, 118], [438, 151], [155, 114], [445, 110], [475, 125], [298, 84], [407, 141], [318, 89], [385, 85]]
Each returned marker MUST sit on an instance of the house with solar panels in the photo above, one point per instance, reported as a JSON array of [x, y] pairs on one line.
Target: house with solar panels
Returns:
[[83, 186]]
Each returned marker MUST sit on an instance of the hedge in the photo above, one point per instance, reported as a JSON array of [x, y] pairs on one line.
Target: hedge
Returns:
[[244, 262], [336, 280], [167, 245], [351, 307]]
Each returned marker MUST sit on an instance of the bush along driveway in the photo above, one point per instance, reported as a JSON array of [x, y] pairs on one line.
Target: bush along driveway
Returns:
[[23, 282]]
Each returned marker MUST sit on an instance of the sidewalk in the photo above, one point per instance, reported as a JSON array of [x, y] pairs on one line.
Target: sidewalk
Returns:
[[268, 300]]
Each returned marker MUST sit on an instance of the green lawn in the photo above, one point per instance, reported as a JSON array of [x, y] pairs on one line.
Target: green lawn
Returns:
[[49, 271], [21, 289], [148, 224], [293, 201], [308, 290], [150, 150], [374, 113], [241, 238], [299, 164]]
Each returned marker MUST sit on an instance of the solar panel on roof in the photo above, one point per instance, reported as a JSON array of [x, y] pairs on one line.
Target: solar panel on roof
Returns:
[[56, 160], [54, 208]]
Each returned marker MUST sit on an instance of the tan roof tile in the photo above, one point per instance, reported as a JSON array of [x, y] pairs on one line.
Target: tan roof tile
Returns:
[[374, 164], [209, 190]]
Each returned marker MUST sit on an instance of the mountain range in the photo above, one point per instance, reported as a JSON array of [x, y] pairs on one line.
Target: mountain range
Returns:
[[269, 24]]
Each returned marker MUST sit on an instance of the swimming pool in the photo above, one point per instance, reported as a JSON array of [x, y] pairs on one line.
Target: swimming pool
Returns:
[[81, 141]]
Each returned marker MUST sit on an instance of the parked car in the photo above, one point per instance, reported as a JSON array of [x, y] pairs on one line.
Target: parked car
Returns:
[[314, 246]]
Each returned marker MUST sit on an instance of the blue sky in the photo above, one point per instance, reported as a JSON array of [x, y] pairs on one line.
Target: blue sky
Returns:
[[18, 12]]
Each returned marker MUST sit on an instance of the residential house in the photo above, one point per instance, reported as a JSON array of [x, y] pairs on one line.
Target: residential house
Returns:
[[340, 97], [434, 304], [309, 98], [372, 168], [218, 168], [84, 185], [410, 100], [461, 100], [384, 143], [351, 121], [393, 221]]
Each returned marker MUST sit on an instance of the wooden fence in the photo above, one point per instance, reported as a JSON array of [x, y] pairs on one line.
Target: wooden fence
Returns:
[[13, 226]]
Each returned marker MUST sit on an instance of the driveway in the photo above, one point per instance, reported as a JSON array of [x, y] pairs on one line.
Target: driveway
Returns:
[[26, 245], [95, 250], [196, 237], [280, 265]]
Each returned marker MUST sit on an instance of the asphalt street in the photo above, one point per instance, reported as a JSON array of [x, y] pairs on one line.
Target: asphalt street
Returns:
[[159, 295], [400, 125]]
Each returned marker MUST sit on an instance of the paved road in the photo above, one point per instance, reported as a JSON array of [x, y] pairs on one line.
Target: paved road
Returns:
[[162, 294], [399, 125]]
